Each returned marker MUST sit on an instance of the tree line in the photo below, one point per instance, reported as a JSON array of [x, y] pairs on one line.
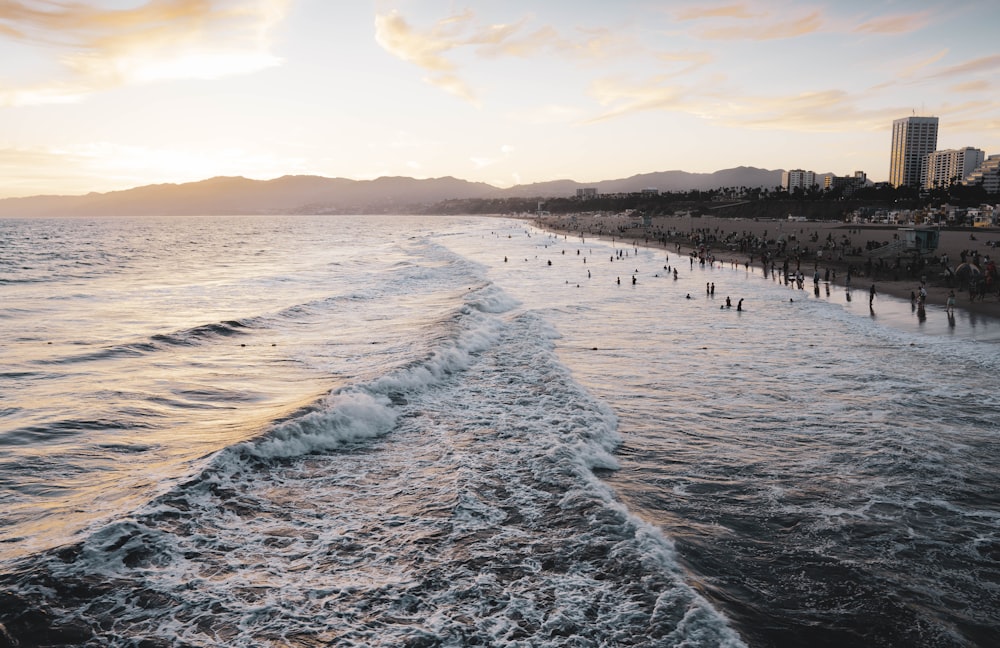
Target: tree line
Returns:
[[744, 202]]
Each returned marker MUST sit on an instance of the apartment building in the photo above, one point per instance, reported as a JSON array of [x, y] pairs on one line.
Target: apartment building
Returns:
[[952, 166], [913, 139]]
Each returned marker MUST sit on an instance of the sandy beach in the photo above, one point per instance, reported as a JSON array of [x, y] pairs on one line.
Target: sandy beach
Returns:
[[901, 281]]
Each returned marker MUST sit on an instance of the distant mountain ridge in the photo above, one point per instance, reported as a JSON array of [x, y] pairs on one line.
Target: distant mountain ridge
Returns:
[[320, 195], [661, 180]]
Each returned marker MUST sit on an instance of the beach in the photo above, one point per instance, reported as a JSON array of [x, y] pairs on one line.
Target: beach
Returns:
[[896, 282]]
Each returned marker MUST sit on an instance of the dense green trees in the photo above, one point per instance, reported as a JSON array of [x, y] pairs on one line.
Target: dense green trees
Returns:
[[744, 202]]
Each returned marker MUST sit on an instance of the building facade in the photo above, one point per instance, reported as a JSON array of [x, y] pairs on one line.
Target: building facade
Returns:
[[851, 182], [987, 175], [913, 139], [797, 179], [945, 168]]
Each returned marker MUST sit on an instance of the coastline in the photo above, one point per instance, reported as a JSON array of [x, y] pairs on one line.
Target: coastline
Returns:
[[668, 232]]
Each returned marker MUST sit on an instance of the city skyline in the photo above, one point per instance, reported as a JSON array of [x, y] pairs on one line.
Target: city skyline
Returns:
[[118, 94]]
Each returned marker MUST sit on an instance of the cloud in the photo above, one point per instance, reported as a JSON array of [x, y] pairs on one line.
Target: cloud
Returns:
[[920, 65], [430, 48], [831, 110], [895, 24], [589, 45], [396, 36], [99, 48], [979, 85], [989, 64], [740, 21], [767, 30], [725, 11], [425, 49], [759, 22], [690, 61], [624, 97]]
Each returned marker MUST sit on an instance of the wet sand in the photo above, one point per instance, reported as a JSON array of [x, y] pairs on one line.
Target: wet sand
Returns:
[[887, 281]]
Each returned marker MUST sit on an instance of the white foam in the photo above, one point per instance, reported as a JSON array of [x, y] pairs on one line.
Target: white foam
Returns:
[[349, 416], [494, 300]]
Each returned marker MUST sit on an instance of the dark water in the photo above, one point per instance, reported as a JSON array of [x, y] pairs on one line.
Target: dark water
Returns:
[[331, 431]]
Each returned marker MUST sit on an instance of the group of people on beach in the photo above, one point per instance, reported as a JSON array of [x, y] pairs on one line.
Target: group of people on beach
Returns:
[[802, 253]]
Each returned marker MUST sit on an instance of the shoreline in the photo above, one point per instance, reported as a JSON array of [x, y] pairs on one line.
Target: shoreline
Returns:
[[668, 233]]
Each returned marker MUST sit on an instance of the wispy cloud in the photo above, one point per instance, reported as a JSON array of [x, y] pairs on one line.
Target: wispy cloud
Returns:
[[827, 110], [746, 21], [895, 24], [426, 48], [979, 85], [623, 97], [923, 64], [767, 29], [989, 64], [686, 62], [100, 48], [819, 111], [738, 10], [430, 48], [759, 21]]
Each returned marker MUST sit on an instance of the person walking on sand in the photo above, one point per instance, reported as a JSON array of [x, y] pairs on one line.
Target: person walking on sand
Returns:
[[871, 296], [950, 307]]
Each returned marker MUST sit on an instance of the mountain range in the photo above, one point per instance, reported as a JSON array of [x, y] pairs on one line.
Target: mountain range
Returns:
[[319, 195]]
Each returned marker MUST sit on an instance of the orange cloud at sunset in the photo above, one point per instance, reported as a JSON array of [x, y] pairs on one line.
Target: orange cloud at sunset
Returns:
[[167, 39]]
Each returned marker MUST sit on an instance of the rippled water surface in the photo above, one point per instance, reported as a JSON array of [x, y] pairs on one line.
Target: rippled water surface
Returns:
[[465, 431]]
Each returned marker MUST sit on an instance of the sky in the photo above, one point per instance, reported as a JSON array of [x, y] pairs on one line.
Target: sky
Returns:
[[113, 94]]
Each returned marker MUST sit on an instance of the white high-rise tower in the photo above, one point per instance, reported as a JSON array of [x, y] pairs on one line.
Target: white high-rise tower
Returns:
[[913, 139]]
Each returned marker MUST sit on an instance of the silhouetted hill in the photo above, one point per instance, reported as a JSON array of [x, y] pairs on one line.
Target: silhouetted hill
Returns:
[[662, 181], [285, 195], [319, 195]]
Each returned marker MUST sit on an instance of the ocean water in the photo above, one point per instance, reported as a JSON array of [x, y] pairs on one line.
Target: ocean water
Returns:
[[445, 431]]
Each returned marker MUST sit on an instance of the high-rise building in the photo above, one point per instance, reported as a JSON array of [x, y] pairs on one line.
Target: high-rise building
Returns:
[[945, 168], [987, 175], [797, 179], [913, 139]]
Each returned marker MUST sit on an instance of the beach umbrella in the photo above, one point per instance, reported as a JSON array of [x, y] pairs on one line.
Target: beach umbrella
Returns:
[[966, 271]]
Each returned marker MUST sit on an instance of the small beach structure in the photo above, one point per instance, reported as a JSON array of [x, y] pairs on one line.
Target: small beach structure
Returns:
[[916, 241]]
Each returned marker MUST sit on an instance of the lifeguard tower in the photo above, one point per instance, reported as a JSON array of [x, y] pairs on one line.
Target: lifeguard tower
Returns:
[[914, 241]]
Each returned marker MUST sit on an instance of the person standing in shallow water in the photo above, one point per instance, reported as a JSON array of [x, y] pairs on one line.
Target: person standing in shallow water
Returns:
[[871, 296]]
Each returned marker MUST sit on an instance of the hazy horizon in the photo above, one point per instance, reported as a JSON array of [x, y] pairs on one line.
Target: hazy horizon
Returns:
[[446, 177], [110, 95]]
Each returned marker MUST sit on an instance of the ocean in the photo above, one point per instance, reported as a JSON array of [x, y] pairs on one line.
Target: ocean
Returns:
[[461, 431]]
